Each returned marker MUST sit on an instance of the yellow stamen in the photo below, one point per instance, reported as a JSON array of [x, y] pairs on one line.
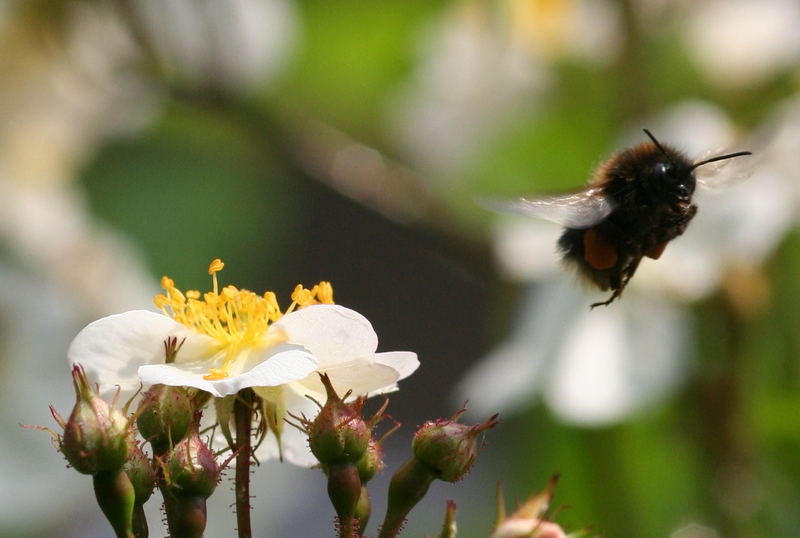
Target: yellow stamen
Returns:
[[215, 374], [302, 296], [324, 292], [215, 267], [236, 318]]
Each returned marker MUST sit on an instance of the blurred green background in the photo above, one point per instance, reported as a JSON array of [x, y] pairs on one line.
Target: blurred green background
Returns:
[[347, 141]]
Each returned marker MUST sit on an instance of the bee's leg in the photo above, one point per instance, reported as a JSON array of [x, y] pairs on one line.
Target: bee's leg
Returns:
[[607, 302], [628, 272]]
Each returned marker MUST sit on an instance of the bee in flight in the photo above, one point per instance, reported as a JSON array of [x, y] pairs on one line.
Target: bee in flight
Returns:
[[638, 201]]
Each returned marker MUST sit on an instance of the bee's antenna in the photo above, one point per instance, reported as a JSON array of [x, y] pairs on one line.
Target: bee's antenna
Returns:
[[720, 158], [656, 142]]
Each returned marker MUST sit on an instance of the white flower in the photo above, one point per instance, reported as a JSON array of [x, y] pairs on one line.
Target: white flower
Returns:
[[38, 319], [740, 42], [598, 367], [233, 339], [470, 81], [486, 65], [234, 45]]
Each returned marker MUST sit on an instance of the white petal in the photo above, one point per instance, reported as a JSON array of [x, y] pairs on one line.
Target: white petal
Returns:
[[112, 348], [404, 363], [507, 379], [362, 376], [617, 360], [293, 441], [286, 363], [332, 333], [525, 248]]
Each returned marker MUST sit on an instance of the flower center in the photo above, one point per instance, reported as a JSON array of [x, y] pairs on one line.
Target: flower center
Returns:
[[236, 318]]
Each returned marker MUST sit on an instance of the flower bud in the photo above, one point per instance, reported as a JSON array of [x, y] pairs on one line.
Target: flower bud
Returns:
[[339, 433], [450, 528], [97, 437], [449, 448], [165, 413], [371, 462], [443, 449], [529, 518], [191, 468], [191, 474], [141, 474]]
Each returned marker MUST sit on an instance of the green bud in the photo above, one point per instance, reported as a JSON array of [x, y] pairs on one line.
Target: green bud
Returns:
[[338, 433], [191, 468], [97, 437], [141, 474], [444, 450], [371, 461], [165, 414], [449, 448]]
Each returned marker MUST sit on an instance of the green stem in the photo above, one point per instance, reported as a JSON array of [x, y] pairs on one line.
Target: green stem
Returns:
[[363, 510], [344, 490], [140, 529], [408, 486], [243, 418], [186, 516], [115, 496]]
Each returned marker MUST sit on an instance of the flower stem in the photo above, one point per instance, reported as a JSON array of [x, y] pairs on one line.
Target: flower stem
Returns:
[[363, 509], [140, 529], [344, 490], [186, 516], [408, 486], [115, 496], [243, 417]]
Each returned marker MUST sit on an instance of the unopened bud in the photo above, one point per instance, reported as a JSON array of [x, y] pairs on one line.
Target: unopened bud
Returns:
[[338, 433], [141, 474], [371, 461], [165, 414], [191, 468], [97, 436], [529, 518], [450, 528], [448, 447], [444, 450], [191, 474]]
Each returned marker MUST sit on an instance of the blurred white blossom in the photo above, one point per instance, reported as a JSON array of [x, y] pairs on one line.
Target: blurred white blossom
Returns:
[[483, 66], [469, 80], [597, 367], [57, 104], [553, 29], [60, 103], [38, 322], [741, 42], [235, 45]]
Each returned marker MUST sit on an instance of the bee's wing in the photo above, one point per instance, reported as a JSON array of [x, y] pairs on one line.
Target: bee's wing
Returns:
[[581, 209], [722, 174]]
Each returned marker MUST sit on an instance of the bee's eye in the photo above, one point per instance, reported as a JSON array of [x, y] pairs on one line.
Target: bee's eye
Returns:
[[663, 169]]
